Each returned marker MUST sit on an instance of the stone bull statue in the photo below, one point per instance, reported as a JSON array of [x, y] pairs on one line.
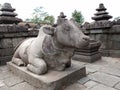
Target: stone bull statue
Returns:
[[52, 48]]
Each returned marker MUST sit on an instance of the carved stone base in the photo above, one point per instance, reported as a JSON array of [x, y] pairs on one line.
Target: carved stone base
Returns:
[[87, 58], [88, 54], [53, 80]]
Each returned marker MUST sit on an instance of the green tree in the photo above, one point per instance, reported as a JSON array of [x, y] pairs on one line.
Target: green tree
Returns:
[[40, 16], [78, 17], [49, 19]]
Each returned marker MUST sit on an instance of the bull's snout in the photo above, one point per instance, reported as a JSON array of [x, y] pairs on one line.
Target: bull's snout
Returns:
[[83, 42], [86, 38]]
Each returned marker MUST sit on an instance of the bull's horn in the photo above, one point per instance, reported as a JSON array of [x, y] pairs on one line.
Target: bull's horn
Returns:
[[61, 18], [54, 25], [62, 15]]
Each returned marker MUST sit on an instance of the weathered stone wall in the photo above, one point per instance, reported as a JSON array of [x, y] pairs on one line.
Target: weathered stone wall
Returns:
[[109, 35], [10, 36]]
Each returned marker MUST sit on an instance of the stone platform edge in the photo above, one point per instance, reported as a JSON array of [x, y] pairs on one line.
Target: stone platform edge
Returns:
[[53, 80]]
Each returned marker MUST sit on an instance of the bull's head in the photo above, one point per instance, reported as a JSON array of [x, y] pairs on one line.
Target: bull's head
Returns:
[[67, 33]]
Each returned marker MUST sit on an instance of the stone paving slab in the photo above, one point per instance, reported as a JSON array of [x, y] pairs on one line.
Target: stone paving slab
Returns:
[[106, 79], [53, 80], [84, 80], [101, 87], [90, 68], [102, 75], [90, 84], [75, 86], [117, 86], [5, 74], [13, 80], [4, 88], [111, 71], [23, 86], [2, 83]]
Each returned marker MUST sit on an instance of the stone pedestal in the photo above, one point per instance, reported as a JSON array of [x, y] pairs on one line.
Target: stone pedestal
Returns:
[[53, 80], [88, 54]]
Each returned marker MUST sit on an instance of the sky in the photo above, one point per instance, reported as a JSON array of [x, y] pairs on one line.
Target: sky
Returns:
[[24, 8]]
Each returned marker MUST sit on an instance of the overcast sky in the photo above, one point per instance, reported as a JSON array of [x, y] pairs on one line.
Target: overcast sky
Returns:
[[24, 8]]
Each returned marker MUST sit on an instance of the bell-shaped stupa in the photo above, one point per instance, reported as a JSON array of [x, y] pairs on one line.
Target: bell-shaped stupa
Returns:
[[7, 15], [101, 13]]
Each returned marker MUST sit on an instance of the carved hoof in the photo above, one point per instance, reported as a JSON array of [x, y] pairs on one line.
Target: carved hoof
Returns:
[[18, 62]]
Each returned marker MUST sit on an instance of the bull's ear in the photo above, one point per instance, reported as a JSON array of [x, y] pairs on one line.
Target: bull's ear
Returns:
[[48, 29]]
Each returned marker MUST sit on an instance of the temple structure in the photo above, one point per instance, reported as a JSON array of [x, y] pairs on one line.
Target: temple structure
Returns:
[[101, 13], [7, 15], [106, 31]]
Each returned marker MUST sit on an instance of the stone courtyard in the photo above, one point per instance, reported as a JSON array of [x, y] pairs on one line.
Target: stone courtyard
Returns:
[[101, 75]]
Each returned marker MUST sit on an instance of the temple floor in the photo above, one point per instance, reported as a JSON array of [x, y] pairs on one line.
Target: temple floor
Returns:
[[103, 74]]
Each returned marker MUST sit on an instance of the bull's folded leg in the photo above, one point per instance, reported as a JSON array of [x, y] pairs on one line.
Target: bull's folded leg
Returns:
[[38, 66], [18, 61]]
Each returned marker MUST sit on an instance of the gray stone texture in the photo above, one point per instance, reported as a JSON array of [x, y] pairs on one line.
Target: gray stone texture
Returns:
[[101, 87], [12, 80], [7, 15], [10, 36], [75, 86], [53, 80], [117, 86], [84, 84], [23, 86], [106, 79], [105, 31], [90, 84], [88, 54]]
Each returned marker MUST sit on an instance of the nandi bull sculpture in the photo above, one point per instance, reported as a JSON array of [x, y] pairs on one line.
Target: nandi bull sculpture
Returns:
[[52, 48]]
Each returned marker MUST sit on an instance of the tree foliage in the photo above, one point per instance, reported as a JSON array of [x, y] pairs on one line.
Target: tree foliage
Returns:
[[78, 17], [40, 16], [49, 19]]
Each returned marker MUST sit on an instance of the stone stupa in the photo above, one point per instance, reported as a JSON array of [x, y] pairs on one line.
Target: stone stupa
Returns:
[[7, 15], [101, 13]]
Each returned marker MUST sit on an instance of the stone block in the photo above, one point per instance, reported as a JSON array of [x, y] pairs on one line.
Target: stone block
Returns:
[[111, 71], [87, 58], [16, 41], [53, 80], [4, 88], [5, 59], [117, 86], [105, 79], [84, 80], [6, 52], [114, 53], [89, 53], [3, 28], [6, 43], [23, 86], [13, 80], [101, 87], [75, 86], [90, 84]]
